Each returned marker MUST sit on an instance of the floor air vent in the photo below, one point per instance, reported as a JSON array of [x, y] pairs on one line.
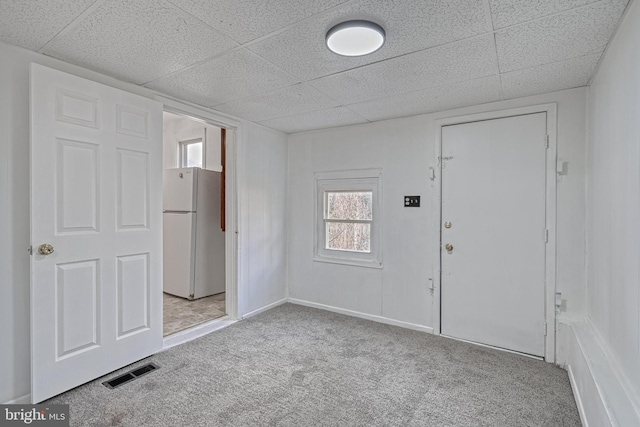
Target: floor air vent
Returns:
[[131, 375]]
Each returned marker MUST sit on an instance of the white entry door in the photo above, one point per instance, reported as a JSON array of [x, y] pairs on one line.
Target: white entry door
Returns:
[[493, 218], [96, 174]]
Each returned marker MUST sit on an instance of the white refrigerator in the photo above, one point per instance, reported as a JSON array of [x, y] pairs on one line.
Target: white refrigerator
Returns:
[[194, 243]]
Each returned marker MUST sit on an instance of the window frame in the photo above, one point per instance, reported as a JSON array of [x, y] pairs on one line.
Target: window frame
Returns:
[[182, 150], [328, 220], [345, 181]]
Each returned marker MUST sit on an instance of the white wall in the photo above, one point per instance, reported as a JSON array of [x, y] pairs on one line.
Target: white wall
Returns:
[[404, 149], [14, 230], [177, 128], [262, 286], [263, 212], [613, 209]]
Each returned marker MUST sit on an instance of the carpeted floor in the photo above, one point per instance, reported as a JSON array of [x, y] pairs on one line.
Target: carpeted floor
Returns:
[[298, 366]]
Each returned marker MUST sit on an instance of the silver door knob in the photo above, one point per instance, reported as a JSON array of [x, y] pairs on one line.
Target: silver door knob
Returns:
[[448, 247], [45, 249]]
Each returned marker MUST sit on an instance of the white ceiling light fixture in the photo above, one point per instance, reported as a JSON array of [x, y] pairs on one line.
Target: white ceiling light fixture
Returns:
[[355, 38]]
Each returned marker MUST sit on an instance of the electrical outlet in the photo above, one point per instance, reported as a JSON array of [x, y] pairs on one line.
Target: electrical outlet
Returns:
[[411, 201]]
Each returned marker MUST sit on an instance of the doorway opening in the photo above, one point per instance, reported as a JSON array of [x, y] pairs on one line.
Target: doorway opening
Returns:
[[194, 222]]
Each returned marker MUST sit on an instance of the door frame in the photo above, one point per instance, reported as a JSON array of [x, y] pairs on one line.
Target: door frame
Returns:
[[233, 128], [435, 228]]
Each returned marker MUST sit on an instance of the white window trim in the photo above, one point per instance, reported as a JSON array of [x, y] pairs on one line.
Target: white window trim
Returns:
[[356, 180], [182, 147]]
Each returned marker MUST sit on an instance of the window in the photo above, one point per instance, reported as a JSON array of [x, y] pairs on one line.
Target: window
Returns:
[[348, 217], [192, 153]]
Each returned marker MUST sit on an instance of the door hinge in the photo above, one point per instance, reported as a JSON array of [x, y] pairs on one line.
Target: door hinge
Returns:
[[546, 235], [546, 141], [545, 328]]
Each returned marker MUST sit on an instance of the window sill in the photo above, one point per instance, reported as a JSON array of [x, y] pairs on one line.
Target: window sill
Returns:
[[351, 262]]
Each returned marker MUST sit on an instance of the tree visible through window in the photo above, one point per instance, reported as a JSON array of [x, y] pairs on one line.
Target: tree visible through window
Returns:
[[348, 218]]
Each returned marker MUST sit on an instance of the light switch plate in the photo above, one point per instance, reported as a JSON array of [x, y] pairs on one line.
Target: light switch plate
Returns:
[[411, 201]]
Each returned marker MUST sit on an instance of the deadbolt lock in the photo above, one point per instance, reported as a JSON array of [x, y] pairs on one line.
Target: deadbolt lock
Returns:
[[45, 249], [448, 247], [447, 224]]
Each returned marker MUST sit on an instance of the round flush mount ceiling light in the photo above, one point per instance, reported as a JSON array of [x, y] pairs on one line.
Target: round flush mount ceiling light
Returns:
[[355, 38]]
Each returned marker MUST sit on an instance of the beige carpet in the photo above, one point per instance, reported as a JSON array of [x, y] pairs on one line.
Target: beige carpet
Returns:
[[180, 313], [298, 366]]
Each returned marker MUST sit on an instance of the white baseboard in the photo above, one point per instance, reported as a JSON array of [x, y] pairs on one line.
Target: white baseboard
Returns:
[[602, 397], [196, 332], [22, 400], [379, 319], [265, 308], [578, 397]]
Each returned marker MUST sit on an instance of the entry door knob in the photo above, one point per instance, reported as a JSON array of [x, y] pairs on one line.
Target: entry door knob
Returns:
[[448, 247], [45, 249]]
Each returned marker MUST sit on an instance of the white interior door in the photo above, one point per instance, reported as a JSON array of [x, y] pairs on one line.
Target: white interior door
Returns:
[[493, 215], [96, 173]]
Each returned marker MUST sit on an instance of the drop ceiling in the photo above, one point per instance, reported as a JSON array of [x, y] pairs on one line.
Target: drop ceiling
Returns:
[[266, 61]]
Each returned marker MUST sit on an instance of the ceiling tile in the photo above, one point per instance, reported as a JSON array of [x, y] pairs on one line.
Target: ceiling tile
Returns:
[[300, 98], [472, 92], [235, 75], [32, 24], [567, 74], [439, 54], [138, 41], [409, 25], [333, 117], [505, 13], [570, 34], [455, 62], [245, 20]]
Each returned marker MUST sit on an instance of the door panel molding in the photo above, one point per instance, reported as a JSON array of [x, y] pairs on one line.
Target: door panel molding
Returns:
[[550, 212]]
